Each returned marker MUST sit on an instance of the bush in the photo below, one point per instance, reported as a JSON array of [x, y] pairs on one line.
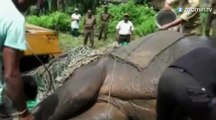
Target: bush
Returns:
[[70, 10], [142, 16], [204, 18], [57, 21]]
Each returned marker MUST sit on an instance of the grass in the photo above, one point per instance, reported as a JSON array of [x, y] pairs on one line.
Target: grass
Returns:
[[67, 41]]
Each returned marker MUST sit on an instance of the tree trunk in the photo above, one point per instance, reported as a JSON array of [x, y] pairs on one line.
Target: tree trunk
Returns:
[[53, 5]]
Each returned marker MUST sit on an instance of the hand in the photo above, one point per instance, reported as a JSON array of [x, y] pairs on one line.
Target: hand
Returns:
[[164, 27], [27, 116]]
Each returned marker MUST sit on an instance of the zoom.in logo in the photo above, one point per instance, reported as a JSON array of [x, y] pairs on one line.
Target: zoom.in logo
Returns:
[[180, 9]]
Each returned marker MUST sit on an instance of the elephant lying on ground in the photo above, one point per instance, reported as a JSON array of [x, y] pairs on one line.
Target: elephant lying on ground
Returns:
[[123, 84]]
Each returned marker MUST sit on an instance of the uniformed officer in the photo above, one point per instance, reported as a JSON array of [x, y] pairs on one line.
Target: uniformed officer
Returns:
[[105, 17], [188, 21], [89, 28]]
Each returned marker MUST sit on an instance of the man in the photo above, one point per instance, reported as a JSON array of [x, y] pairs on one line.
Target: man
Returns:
[[211, 20], [187, 89], [12, 42], [89, 27], [125, 30], [75, 17], [189, 21], [104, 23]]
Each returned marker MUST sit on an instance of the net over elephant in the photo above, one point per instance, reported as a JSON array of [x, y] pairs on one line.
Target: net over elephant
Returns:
[[121, 85]]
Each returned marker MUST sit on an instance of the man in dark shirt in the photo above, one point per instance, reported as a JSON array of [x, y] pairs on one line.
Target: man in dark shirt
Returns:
[[187, 88], [105, 17]]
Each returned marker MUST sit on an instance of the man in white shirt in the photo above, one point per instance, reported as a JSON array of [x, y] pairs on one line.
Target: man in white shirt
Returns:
[[124, 30], [75, 17]]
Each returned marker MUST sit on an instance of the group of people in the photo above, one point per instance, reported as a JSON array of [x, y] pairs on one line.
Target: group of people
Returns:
[[124, 28]]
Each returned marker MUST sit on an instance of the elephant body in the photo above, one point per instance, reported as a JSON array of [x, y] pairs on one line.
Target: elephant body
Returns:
[[121, 85]]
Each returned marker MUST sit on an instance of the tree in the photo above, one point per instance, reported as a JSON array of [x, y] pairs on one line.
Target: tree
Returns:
[[53, 5]]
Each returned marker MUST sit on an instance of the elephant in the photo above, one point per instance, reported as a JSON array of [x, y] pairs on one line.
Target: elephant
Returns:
[[122, 85]]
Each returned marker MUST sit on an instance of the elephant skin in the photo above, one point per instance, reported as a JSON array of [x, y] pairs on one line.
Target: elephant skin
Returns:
[[112, 89]]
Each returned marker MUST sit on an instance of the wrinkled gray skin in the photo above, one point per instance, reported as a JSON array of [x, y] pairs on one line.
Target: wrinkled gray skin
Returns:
[[85, 95]]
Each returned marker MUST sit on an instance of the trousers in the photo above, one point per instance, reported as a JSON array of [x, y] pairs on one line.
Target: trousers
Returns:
[[89, 34], [103, 30]]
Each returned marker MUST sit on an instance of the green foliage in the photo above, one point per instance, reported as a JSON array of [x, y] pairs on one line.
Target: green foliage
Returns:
[[32, 10], [57, 21], [204, 17], [70, 10], [142, 17]]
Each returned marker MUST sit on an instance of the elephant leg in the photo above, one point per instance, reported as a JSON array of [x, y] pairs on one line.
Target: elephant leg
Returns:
[[101, 111], [76, 93]]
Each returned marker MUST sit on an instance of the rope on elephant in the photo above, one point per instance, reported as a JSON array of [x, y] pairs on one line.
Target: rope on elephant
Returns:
[[110, 89], [63, 67]]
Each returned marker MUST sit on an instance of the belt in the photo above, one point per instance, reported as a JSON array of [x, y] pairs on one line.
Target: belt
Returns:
[[125, 35]]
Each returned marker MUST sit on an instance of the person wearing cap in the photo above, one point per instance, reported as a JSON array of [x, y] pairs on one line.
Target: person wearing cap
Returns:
[[188, 21], [75, 18], [125, 30], [89, 27], [13, 42], [104, 17], [186, 89]]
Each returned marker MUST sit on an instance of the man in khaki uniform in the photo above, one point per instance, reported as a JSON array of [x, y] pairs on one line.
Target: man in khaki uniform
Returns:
[[189, 21], [104, 23], [89, 26]]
